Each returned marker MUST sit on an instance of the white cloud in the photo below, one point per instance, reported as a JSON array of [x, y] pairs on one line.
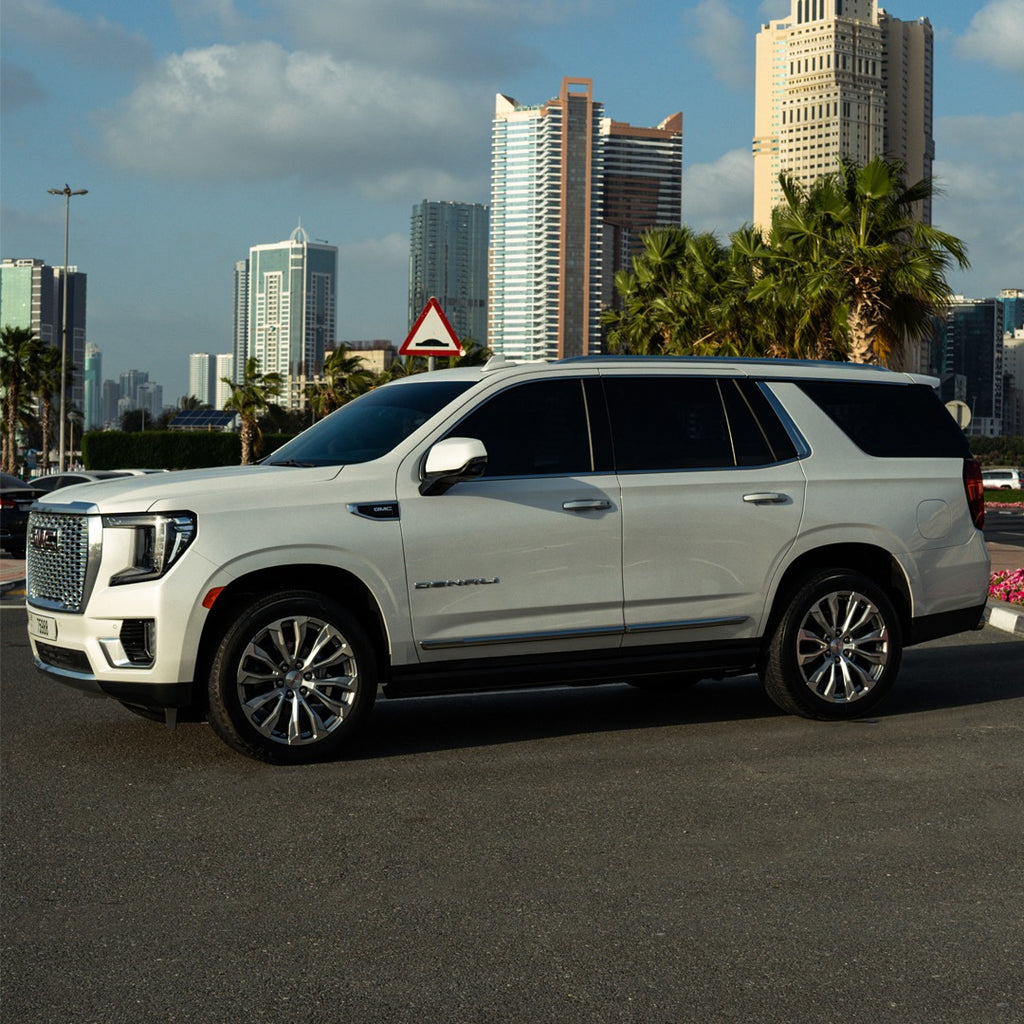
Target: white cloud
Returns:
[[719, 196], [20, 87], [982, 195], [256, 111], [453, 39], [996, 35], [723, 40], [774, 10], [41, 24]]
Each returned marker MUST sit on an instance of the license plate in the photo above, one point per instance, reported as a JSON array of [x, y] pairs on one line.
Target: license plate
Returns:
[[42, 626]]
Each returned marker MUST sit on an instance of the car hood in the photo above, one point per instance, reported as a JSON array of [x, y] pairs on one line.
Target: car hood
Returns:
[[192, 489]]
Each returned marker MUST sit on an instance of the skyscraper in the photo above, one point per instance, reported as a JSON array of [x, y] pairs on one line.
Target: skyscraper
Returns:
[[545, 289], [93, 406], [642, 189], [199, 383], [570, 192], [448, 261], [240, 320], [972, 366], [32, 296], [840, 79], [224, 364], [292, 293]]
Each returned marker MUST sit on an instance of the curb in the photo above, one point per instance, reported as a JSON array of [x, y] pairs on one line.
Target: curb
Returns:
[[1005, 616]]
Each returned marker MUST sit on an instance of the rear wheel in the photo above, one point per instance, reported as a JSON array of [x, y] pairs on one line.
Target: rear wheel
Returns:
[[836, 649], [292, 679]]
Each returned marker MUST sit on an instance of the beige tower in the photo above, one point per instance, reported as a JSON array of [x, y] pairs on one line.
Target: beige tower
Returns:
[[840, 79]]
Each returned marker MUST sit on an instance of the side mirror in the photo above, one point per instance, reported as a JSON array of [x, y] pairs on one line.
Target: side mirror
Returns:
[[452, 460]]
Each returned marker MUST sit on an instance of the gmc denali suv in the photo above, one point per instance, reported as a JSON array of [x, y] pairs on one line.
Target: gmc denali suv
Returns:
[[604, 519]]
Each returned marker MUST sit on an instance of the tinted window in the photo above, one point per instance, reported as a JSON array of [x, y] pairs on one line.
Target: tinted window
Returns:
[[537, 429], [767, 422], [890, 420], [663, 423], [370, 426]]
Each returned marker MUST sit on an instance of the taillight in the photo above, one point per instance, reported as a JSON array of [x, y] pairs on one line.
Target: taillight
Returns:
[[8, 503], [975, 491]]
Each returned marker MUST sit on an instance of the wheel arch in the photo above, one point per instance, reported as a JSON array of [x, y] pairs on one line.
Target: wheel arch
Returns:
[[879, 565], [330, 581]]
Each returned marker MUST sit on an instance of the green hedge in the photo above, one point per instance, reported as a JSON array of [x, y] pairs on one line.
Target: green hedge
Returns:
[[998, 451], [167, 449]]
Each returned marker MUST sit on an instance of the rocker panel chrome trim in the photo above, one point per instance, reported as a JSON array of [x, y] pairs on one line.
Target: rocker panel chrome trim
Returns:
[[576, 634]]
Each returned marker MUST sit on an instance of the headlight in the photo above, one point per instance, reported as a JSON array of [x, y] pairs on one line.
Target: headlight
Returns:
[[161, 538]]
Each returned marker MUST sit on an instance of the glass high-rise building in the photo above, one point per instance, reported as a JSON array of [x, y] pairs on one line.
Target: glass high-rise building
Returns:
[[840, 79], [32, 297], [972, 361], [448, 262], [199, 384], [570, 192], [224, 367], [292, 289], [240, 320], [642, 188], [93, 405]]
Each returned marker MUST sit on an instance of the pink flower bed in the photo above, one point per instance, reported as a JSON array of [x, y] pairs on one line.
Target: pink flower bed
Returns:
[[1007, 585]]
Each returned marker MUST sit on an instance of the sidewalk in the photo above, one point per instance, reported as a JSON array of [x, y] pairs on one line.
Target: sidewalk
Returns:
[[1008, 617]]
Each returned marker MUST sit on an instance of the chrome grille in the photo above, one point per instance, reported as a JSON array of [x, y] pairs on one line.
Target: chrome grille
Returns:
[[57, 560]]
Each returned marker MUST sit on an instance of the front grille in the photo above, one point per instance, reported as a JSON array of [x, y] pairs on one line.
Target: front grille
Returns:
[[57, 560]]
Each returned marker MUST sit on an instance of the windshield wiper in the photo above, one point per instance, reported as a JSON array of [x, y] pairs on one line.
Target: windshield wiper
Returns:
[[292, 462]]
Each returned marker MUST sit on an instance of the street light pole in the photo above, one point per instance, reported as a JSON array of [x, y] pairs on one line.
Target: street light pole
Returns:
[[67, 192]]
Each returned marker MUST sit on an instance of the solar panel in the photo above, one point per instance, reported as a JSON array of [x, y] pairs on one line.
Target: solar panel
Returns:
[[202, 419]]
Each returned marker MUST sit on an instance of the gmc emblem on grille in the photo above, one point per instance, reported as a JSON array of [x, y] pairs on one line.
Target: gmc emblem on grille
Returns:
[[44, 539]]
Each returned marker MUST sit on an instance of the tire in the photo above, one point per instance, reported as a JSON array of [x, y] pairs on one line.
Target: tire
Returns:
[[836, 649], [292, 679]]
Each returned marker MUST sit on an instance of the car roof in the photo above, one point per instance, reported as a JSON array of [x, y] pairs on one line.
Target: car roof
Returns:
[[776, 369]]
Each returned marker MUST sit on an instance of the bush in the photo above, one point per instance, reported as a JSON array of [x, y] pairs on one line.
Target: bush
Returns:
[[167, 449], [998, 451]]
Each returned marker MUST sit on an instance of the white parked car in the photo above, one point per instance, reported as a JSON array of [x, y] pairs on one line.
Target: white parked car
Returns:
[[584, 521], [1003, 478]]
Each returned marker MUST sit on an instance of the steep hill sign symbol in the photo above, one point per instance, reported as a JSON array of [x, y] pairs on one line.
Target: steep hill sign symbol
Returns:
[[431, 335]]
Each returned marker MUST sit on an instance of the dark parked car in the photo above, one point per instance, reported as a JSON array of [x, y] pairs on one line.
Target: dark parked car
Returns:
[[15, 498], [57, 480]]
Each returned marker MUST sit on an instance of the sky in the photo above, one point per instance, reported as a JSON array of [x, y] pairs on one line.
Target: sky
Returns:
[[202, 127]]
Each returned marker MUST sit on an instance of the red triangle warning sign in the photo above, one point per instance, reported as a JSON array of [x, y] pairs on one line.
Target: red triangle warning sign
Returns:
[[431, 335]]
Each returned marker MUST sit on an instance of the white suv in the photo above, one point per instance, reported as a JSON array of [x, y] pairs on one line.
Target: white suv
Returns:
[[1002, 478], [584, 521]]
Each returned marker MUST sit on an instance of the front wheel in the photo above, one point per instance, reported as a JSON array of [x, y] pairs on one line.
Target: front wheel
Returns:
[[836, 649], [292, 679]]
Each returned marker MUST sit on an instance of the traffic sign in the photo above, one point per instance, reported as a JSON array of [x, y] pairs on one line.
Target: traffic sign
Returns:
[[431, 335], [960, 411]]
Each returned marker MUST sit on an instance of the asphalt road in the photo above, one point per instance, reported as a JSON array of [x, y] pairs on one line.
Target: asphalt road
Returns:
[[1004, 526], [563, 855]]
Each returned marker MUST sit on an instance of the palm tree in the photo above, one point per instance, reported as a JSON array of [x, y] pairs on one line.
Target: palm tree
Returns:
[[20, 352], [344, 377], [686, 295], [249, 399], [869, 267], [48, 384]]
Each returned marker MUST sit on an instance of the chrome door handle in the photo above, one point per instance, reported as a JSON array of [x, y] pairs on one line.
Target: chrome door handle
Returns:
[[766, 498], [587, 505]]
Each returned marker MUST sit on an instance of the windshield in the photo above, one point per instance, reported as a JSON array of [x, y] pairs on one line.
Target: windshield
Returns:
[[370, 426]]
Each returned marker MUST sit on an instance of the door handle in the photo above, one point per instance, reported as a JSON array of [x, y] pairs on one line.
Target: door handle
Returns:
[[766, 498], [587, 505]]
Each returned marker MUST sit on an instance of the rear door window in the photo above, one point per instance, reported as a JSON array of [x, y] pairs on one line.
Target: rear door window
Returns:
[[672, 422]]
